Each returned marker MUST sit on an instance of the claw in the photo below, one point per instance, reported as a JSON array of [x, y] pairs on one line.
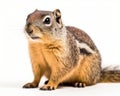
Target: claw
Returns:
[[30, 85], [82, 85], [47, 88]]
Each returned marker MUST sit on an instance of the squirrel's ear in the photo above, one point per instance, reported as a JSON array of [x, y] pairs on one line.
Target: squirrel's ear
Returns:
[[57, 15]]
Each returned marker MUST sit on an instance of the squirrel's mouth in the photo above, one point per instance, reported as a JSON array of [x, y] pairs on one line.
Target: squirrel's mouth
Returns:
[[33, 36]]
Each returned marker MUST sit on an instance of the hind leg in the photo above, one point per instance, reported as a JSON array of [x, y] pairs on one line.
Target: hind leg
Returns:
[[89, 71]]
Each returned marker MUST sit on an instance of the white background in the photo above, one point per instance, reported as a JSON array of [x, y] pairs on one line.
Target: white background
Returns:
[[99, 18]]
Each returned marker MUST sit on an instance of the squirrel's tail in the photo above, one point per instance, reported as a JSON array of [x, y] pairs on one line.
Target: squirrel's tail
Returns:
[[110, 75]]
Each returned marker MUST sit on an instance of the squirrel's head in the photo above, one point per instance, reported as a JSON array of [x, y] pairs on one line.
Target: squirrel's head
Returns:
[[45, 24]]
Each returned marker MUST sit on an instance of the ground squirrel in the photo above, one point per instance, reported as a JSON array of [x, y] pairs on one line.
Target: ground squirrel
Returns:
[[64, 54]]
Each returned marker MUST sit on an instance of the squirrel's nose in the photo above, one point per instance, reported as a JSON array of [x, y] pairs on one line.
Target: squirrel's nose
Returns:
[[28, 29]]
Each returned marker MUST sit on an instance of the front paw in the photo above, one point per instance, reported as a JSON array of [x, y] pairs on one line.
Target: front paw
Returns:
[[30, 85], [48, 87]]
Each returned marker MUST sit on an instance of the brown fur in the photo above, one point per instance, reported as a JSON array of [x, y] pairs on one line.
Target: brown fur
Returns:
[[55, 52], [81, 36], [110, 75]]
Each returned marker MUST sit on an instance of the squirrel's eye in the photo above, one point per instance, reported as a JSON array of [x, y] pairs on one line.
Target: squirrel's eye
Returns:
[[47, 20]]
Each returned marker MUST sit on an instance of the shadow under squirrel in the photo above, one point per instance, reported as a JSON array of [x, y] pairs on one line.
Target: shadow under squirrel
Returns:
[[64, 54]]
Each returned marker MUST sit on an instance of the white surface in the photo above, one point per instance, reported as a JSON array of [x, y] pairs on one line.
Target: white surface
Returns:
[[99, 18], [97, 90]]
